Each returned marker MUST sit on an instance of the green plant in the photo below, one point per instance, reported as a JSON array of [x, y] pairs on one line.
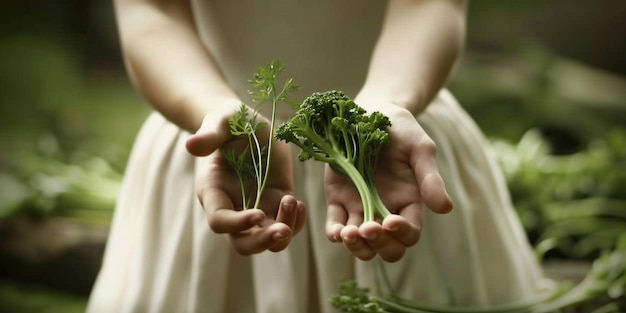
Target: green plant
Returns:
[[354, 299], [605, 284], [331, 128], [83, 190], [573, 205], [254, 162]]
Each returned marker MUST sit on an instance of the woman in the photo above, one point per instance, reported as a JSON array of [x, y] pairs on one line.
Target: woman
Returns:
[[192, 60]]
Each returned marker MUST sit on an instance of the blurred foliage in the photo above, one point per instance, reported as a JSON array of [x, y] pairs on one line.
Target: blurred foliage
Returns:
[[573, 205], [591, 32], [570, 102], [601, 290], [64, 140], [68, 117], [84, 190], [50, 108], [558, 129], [24, 298]]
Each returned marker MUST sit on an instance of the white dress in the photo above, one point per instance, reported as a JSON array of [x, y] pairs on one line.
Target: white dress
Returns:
[[162, 257]]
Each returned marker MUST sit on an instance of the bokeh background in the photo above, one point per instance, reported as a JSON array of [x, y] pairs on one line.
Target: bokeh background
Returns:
[[545, 80]]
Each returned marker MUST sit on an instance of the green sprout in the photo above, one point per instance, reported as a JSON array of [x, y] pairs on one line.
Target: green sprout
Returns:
[[253, 163]]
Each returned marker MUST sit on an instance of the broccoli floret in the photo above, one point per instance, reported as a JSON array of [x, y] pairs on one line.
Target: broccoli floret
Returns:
[[330, 127]]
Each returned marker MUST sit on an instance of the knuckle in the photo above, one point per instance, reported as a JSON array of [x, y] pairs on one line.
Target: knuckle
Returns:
[[426, 144]]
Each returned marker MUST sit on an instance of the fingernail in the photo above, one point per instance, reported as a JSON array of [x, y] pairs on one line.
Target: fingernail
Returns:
[[288, 207]]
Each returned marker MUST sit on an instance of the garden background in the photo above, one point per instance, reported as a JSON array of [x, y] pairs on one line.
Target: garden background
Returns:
[[545, 80]]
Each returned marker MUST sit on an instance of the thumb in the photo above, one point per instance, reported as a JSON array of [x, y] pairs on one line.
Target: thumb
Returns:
[[211, 135], [434, 194]]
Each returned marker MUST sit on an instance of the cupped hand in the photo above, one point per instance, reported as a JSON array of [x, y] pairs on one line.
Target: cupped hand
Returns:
[[407, 179], [280, 216]]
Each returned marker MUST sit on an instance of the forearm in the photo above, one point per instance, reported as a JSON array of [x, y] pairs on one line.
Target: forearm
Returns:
[[168, 63], [417, 48]]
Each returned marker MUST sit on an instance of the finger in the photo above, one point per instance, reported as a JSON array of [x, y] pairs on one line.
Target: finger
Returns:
[[430, 182], [300, 217], [296, 223], [336, 218], [434, 194], [355, 218], [287, 214], [280, 244], [402, 229], [381, 242], [213, 133], [260, 238], [353, 241], [224, 220], [220, 211], [287, 210]]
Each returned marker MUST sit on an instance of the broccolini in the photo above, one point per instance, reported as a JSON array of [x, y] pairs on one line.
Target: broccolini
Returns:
[[331, 128]]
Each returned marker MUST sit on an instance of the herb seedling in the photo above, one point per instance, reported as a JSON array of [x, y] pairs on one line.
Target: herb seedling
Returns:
[[253, 163]]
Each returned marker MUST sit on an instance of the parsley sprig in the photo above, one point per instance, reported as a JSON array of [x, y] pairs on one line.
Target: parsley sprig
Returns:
[[252, 165]]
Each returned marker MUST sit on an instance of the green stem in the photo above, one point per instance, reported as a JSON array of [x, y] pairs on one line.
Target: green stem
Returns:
[[582, 292], [360, 184], [243, 189], [393, 307], [399, 305], [270, 142], [379, 207], [258, 168], [367, 168], [350, 153], [405, 306], [382, 275]]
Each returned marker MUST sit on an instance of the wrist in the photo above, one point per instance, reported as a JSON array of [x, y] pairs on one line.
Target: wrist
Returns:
[[375, 100], [220, 107], [394, 111]]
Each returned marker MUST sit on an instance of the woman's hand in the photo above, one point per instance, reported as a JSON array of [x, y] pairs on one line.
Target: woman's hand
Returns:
[[407, 179], [280, 216]]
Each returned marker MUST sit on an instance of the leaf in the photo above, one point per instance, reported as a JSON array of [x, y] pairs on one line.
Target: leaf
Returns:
[[239, 122], [263, 89]]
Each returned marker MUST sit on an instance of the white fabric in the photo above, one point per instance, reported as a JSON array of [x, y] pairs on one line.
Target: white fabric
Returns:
[[162, 257]]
